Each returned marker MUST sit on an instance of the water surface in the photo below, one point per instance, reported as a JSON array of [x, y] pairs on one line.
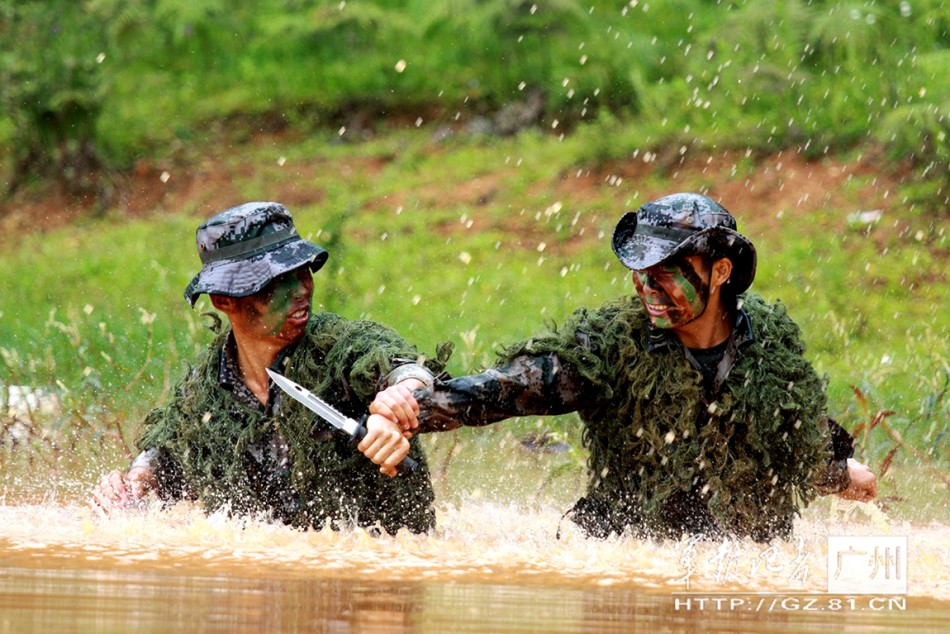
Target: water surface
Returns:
[[488, 568]]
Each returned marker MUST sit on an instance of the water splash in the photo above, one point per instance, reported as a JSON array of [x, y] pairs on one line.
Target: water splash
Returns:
[[475, 542]]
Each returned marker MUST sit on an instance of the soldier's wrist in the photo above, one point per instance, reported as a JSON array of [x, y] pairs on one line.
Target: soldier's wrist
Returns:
[[409, 371]]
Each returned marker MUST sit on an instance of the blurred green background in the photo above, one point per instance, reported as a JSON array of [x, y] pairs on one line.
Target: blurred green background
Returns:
[[465, 162]]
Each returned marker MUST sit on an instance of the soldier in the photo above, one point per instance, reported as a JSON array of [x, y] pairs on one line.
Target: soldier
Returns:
[[229, 439], [701, 413]]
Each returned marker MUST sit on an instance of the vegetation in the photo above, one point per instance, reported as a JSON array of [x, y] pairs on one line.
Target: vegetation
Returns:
[[464, 161], [137, 77]]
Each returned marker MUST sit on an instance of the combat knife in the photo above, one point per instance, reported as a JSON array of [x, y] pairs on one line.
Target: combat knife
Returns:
[[327, 412]]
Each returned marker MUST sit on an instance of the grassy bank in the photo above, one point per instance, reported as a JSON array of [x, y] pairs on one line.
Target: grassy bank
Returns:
[[95, 84], [480, 243]]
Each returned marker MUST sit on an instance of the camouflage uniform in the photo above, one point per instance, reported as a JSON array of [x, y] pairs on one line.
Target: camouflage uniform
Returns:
[[216, 442], [666, 455], [732, 439]]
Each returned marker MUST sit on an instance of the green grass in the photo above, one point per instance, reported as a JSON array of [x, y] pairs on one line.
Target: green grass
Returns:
[[818, 76]]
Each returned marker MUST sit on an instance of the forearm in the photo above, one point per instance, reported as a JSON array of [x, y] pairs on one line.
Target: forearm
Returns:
[[408, 372], [529, 385], [835, 477], [394, 400], [168, 479]]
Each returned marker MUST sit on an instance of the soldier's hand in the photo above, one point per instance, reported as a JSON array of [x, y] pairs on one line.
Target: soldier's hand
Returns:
[[863, 486], [398, 405], [118, 490], [384, 444]]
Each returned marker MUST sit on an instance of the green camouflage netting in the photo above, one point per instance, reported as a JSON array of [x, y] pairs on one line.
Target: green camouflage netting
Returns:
[[753, 454], [342, 362]]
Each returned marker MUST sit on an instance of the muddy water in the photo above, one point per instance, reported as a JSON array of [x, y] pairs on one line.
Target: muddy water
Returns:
[[488, 568]]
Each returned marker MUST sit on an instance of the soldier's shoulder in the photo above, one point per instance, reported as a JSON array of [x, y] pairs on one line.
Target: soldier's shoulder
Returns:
[[763, 312], [771, 324]]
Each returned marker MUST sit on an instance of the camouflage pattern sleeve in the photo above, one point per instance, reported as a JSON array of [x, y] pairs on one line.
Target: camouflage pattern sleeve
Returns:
[[527, 385], [835, 478], [171, 484]]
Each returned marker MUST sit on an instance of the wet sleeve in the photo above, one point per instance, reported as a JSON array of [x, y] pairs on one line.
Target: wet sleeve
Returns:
[[834, 478], [527, 385], [168, 473], [404, 369]]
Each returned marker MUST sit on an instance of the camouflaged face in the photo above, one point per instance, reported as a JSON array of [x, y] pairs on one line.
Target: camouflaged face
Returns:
[[683, 224], [245, 247]]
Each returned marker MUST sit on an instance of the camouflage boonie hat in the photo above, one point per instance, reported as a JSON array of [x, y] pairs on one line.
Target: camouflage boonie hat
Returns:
[[684, 224], [243, 248]]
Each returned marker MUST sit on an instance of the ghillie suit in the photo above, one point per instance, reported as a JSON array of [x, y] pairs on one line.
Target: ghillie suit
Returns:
[[211, 445], [665, 458]]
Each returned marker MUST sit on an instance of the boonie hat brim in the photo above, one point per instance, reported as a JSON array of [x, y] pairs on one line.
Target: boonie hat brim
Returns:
[[247, 275]]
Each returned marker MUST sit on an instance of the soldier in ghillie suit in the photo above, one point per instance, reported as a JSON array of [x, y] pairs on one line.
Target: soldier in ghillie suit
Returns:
[[228, 438], [701, 413]]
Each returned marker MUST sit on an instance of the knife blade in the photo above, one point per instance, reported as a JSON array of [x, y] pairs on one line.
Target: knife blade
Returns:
[[327, 412]]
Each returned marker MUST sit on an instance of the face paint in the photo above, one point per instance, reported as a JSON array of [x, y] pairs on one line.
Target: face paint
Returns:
[[673, 294], [282, 308]]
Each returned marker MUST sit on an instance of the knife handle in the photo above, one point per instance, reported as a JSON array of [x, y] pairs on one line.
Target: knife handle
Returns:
[[408, 465]]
